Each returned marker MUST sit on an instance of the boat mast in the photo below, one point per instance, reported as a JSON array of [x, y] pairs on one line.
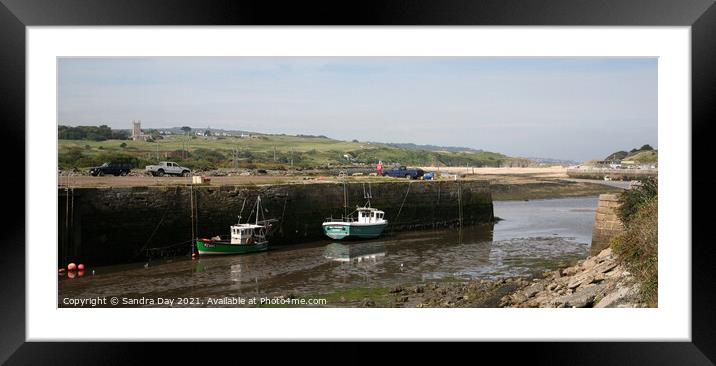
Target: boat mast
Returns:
[[345, 202], [242, 210], [258, 202]]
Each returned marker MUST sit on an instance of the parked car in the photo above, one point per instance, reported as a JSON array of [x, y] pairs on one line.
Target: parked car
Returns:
[[400, 172], [111, 168], [168, 168]]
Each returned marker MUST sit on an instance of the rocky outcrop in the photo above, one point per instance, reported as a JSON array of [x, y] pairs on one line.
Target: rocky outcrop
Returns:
[[598, 281], [472, 294]]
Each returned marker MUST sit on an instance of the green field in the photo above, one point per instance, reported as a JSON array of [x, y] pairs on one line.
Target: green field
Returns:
[[263, 151]]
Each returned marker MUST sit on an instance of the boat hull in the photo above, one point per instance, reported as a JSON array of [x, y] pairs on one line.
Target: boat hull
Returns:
[[208, 247], [343, 230]]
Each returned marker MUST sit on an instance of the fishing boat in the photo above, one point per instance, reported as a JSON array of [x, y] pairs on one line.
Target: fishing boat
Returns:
[[368, 223], [244, 238]]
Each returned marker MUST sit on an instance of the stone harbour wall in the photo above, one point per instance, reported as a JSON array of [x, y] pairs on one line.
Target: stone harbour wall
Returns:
[[606, 223], [103, 226]]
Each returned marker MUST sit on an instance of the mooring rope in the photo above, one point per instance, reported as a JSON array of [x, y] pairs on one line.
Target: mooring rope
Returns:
[[459, 201], [401, 205], [285, 199], [166, 210], [67, 225]]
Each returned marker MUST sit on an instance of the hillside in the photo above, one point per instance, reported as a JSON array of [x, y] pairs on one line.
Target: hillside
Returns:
[[266, 151], [643, 155]]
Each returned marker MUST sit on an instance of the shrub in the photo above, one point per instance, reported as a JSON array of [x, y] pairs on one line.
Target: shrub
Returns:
[[633, 199], [637, 248]]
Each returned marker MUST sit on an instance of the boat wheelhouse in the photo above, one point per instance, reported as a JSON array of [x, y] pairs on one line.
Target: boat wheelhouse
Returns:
[[244, 238]]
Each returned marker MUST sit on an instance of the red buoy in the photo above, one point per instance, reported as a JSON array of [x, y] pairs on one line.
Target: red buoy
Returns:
[[61, 270], [71, 274], [81, 267], [80, 273], [71, 267]]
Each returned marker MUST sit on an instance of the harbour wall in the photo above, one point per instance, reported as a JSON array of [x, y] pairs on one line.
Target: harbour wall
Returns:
[[606, 223], [613, 174], [104, 226]]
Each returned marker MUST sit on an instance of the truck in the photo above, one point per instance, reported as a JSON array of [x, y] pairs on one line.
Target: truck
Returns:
[[403, 172], [168, 168], [111, 167]]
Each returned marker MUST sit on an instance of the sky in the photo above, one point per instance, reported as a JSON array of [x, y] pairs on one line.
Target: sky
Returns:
[[566, 108]]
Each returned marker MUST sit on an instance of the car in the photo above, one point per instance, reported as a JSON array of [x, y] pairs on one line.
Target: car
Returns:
[[167, 168], [400, 172], [113, 168]]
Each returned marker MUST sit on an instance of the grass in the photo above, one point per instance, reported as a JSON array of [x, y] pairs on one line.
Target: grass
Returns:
[[637, 248], [266, 150], [644, 157]]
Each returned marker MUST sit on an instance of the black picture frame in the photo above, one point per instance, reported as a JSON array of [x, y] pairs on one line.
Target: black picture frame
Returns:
[[700, 15]]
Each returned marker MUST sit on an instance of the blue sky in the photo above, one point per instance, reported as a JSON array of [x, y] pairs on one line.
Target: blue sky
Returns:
[[569, 108]]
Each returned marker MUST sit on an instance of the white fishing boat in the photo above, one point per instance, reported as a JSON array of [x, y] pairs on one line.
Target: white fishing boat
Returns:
[[364, 223]]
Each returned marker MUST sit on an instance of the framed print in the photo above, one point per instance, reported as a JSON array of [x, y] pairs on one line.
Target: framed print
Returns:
[[463, 171]]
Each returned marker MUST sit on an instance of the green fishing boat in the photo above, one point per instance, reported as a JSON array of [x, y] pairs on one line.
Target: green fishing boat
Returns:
[[244, 238]]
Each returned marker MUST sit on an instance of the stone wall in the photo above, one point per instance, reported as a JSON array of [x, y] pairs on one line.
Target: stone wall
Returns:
[[103, 226], [614, 174], [606, 223]]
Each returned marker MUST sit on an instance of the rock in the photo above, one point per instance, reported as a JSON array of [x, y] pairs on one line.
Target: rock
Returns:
[[580, 299], [574, 283], [599, 277], [569, 271], [419, 289], [589, 264], [534, 289], [396, 290], [368, 303], [605, 253], [519, 297], [614, 298], [605, 267]]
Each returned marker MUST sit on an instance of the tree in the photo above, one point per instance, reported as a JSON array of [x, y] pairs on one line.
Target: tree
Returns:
[[186, 129], [646, 148]]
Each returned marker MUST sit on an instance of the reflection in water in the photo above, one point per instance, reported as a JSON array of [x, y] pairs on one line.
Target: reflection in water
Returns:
[[358, 252], [532, 237]]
